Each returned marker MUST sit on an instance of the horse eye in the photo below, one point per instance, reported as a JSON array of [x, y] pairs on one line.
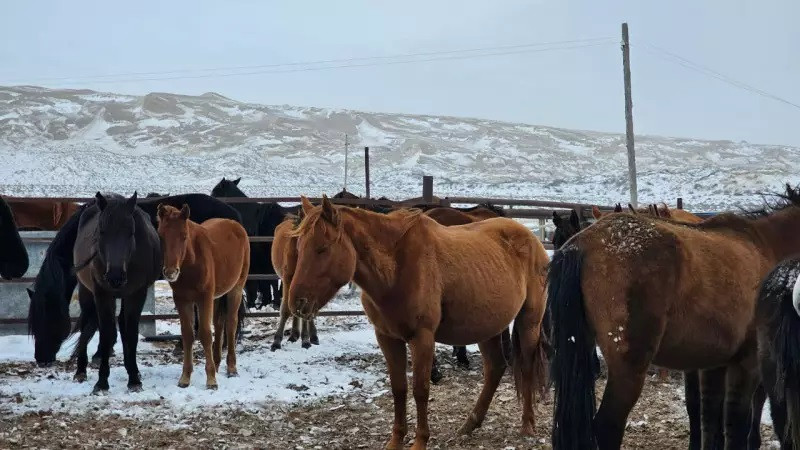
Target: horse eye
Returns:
[[321, 250]]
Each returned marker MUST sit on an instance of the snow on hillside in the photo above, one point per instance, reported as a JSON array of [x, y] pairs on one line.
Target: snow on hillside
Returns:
[[75, 142]]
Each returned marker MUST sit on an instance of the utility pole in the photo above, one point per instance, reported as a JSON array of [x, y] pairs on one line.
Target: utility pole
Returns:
[[346, 143], [366, 170], [626, 68]]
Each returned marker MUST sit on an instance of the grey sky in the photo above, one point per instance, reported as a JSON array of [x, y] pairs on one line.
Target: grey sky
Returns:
[[754, 42]]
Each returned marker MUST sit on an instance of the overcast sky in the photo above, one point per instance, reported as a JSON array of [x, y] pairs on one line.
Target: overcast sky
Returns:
[[757, 43]]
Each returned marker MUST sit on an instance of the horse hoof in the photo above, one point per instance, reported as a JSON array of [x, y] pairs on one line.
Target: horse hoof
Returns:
[[275, 346], [315, 341], [469, 426], [232, 374], [306, 344], [436, 376], [79, 377], [183, 384], [44, 365], [211, 387], [135, 388], [292, 338], [527, 430], [100, 391]]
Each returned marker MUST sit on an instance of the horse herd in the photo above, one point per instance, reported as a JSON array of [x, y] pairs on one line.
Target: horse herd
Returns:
[[718, 299]]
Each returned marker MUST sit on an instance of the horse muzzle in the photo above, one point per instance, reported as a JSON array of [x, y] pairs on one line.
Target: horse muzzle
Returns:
[[116, 278], [172, 274]]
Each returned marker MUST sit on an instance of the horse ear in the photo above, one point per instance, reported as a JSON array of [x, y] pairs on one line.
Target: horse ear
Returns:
[[160, 211], [618, 208], [101, 201], [131, 203], [184, 212], [596, 212], [236, 181], [329, 212], [556, 219], [575, 220], [306, 204]]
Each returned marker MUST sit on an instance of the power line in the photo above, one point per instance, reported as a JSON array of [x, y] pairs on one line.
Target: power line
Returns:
[[345, 63], [672, 57]]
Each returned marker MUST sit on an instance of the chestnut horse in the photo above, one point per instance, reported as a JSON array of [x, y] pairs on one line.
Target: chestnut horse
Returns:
[[284, 260], [44, 215], [423, 283], [682, 296], [203, 262], [452, 216]]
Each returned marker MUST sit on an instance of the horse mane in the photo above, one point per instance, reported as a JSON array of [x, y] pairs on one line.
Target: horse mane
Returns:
[[413, 215], [783, 200]]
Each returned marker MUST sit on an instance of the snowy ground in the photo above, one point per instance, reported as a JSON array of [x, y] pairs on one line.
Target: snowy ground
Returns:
[[321, 397]]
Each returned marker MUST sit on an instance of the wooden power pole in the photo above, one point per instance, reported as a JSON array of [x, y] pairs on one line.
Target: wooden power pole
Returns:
[[366, 170], [626, 68], [346, 144]]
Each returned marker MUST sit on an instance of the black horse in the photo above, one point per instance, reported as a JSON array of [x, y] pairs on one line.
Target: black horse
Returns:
[[119, 256], [48, 316], [259, 219], [13, 254], [778, 327]]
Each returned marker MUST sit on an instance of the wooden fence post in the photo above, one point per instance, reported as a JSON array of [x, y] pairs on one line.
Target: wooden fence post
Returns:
[[427, 188], [680, 202], [366, 170]]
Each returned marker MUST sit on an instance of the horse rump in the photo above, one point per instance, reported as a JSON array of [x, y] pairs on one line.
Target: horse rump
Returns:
[[574, 366], [778, 322]]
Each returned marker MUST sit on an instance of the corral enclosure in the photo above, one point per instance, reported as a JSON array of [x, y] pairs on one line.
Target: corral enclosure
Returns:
[[334, 395]]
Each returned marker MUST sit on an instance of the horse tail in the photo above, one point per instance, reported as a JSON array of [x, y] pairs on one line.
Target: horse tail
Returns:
[[574, 365], [780, 319]]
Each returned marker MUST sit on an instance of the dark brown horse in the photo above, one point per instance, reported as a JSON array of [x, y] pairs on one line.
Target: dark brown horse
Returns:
[[681, 296], [202, 263], [44, 215], [423, 283]]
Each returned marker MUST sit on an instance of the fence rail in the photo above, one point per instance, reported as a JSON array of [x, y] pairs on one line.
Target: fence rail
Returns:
[[515, 208]]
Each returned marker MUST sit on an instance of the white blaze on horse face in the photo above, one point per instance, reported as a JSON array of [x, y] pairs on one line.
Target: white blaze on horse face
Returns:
[[796, 295]]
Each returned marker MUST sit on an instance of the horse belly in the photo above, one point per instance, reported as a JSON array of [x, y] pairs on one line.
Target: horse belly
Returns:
[[476, 312]]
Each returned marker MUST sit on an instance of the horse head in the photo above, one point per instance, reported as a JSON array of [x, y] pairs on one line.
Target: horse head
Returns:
[[326, 259], [173, 229], [116, 237]]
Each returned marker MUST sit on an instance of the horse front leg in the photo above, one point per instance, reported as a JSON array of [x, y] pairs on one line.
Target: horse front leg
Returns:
[[129, 318], [106, 307], [276, 340], [691, 390], [394, 351], [88, 326], [422, 346]]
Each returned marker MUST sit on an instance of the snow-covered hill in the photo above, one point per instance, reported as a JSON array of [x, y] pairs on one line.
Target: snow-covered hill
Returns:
[[74, 142]]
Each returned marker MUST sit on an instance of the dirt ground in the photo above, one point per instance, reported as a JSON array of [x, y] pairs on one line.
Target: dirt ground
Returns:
[[360, 420]]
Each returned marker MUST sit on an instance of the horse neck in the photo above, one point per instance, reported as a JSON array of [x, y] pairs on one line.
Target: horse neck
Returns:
[[779, 232], [196, 235], [374, 237]]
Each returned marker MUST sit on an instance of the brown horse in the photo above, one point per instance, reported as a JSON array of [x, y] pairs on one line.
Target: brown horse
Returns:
[[681, 296], [423, 283], [203, 262], [451, 216], [44, 215], [284, 260]]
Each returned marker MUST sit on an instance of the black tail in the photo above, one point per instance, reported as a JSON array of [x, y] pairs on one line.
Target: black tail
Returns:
[[574, 366], [50, 295], [779, 331]]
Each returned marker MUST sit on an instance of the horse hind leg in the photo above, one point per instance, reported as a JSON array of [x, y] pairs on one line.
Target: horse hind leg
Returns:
[[740, 384], [232, 322], [494, 366], [528, 359], [305, 334], [312, 329], [460, 352]]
